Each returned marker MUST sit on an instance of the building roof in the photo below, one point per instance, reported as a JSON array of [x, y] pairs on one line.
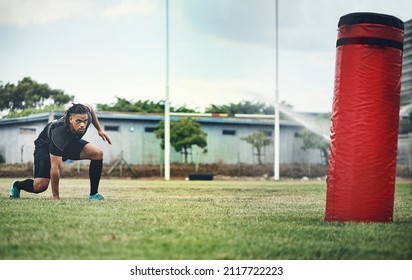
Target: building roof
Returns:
[[146, 117], [23, 120]]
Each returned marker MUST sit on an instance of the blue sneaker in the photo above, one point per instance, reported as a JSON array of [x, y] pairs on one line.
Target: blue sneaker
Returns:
[[96, 196], [14, 192]]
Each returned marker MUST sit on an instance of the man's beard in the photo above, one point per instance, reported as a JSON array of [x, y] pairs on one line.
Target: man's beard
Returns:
[[80, 132]]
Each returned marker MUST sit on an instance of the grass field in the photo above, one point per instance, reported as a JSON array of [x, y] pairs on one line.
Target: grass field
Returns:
[[194, 220]]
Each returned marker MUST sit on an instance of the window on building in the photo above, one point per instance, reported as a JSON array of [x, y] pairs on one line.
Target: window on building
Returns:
[[268, 133], [228, 132], [111, 127], [27, 130], [149, 129]]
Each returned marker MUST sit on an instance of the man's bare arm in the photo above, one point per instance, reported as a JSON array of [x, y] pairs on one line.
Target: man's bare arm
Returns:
[[96, 124], [56, 162]]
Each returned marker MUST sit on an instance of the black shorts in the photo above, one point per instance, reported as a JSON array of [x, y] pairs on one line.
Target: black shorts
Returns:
[[42, 164]]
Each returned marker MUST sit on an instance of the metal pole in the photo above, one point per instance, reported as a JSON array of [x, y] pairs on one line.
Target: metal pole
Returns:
[[167, 104], [276, 149]]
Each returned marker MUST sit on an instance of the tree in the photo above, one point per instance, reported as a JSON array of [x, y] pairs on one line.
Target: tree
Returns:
[[29, 95], [146, 106], [314, 141], [244, 107], [258, 140], [184, 133], [248, 107]]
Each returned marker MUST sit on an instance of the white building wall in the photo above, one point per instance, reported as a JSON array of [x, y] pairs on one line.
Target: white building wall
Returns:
[[134, 137], [17, 142]]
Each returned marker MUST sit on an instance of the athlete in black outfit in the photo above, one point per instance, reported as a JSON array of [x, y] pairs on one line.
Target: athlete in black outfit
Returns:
[[59, 141]]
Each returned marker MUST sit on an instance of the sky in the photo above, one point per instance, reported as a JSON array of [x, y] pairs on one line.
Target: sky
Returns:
[[220, 51]]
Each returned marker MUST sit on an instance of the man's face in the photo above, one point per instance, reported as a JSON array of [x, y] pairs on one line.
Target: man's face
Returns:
[[78, 123]]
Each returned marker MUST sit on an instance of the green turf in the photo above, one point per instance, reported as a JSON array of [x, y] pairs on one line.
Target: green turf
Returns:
[[194, 220]]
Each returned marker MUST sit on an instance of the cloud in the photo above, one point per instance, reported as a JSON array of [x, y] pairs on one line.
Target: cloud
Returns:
[[311, 26], [128, 7], [303, 25], [25, 12], [247, 21], [201, 93]]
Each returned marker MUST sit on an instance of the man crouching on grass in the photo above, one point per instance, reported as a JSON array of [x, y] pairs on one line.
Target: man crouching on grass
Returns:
[[59, 141]]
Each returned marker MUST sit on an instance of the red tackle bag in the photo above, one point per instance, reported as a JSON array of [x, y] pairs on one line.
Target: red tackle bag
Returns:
[[365, 118]]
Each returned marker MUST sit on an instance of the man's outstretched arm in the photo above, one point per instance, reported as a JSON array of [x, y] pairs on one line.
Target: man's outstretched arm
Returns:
[[96, 124], [56, 162]]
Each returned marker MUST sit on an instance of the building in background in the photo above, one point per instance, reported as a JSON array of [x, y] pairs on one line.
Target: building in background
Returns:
[[406, 84], [405, 128], [133, 136]]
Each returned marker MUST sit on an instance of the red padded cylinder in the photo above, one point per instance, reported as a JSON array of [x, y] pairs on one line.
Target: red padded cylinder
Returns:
[[365, 119]]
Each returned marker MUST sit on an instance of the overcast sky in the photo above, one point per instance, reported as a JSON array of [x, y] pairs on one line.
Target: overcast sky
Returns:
[[221, 51]]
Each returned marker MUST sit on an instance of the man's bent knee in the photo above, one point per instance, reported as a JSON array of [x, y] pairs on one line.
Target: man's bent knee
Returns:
[[96, 154], [91, 152], [99, 154], [40, 185]]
